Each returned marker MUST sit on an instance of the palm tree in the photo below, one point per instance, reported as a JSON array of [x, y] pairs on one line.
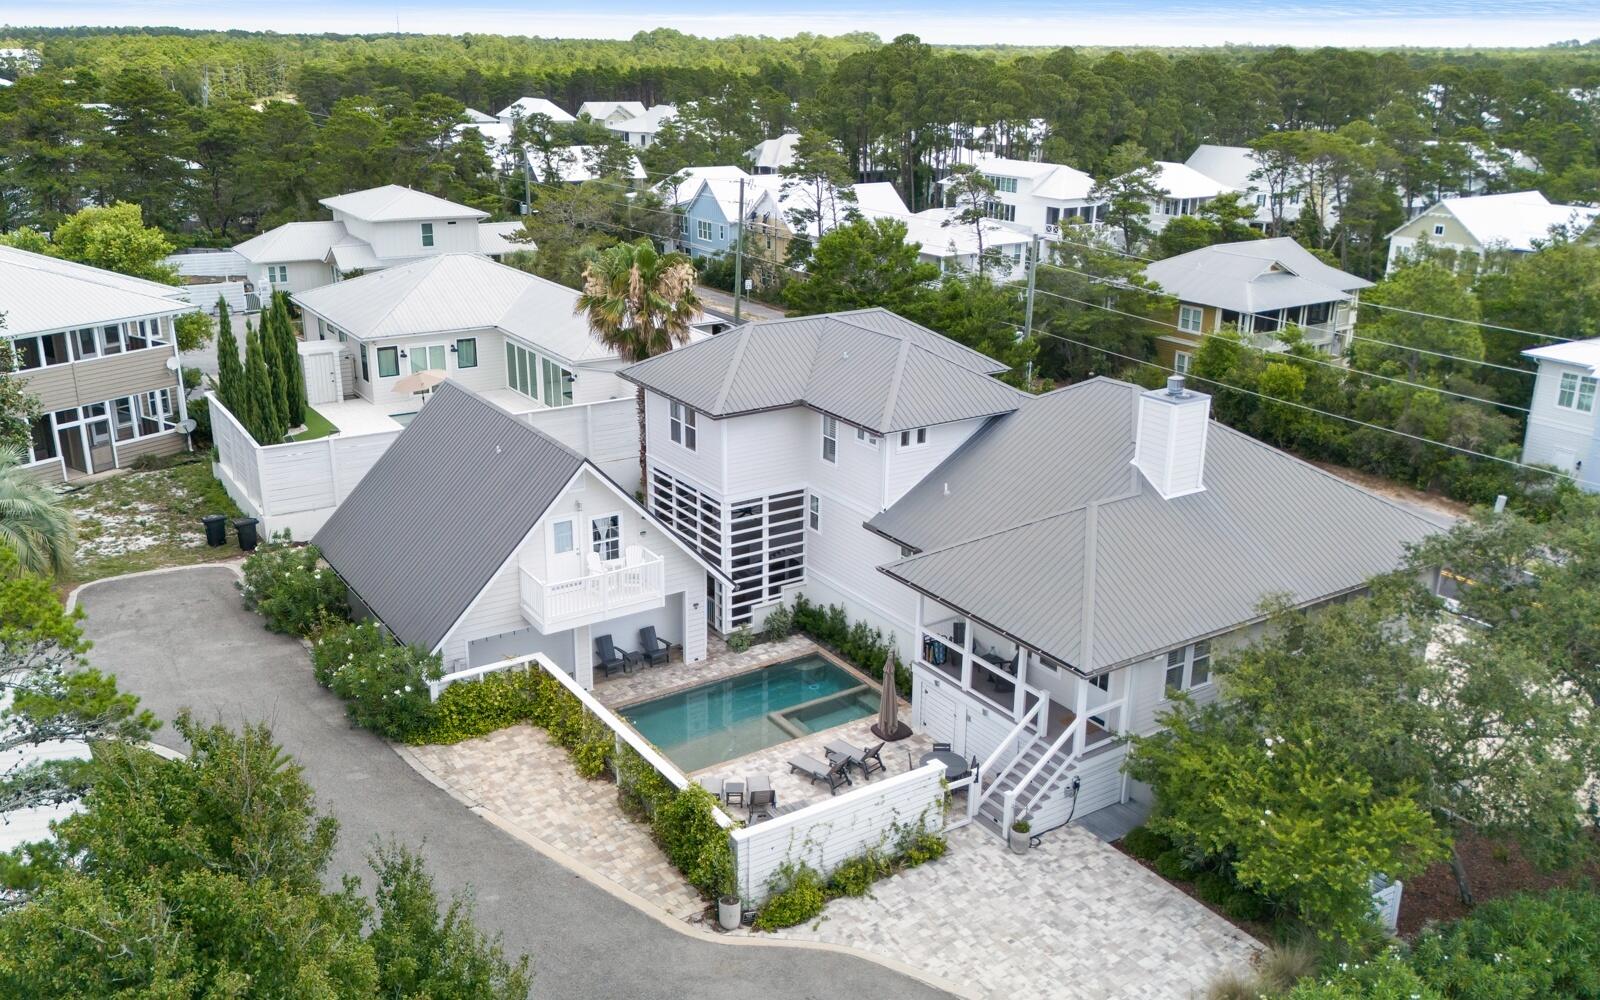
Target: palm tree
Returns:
[[639, 303], [33, 524]]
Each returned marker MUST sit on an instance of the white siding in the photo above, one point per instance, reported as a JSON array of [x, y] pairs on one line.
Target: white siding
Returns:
[[841, 568], [703, 466], [908, 466], [766, 452], [1560, 436], [490, 372], [598, 382], [404, 239], [304, 275], [856, 478]]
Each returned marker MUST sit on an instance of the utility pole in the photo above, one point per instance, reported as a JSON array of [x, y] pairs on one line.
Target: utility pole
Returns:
[[1033, 269], [738, 255]]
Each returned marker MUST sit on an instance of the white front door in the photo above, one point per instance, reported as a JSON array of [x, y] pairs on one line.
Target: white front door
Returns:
[[322, 377]]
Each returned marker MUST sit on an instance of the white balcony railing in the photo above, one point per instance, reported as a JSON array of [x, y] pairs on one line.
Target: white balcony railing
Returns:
[[636, 582]]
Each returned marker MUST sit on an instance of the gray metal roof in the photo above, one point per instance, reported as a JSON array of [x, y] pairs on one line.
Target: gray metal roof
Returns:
[[394, 203], [1253, 276], [40, 293], [1049, 534], [293, 241], [440, 512], [868, 367]]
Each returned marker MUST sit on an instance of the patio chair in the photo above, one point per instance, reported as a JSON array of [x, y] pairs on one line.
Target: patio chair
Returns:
[[761, 804], [612, 658], [872, 760], [848, 752], [834, 773], [653, 650], [712, 784]]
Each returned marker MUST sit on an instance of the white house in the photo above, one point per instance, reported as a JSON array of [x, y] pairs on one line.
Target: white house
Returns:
[[607, 112], [640, 131], [1183, 191], [943, 240], [528, 107], [1563, 420], [1513, 222], [513, 337], [1234, 167], [576, 164], [479, 538], [770, 156], [97, 350], [1039, 197], [370, 230], [1050, 566]]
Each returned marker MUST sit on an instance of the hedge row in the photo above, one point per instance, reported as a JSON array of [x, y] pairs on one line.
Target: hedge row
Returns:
[[799, 893], [861, 645], [684, 823]]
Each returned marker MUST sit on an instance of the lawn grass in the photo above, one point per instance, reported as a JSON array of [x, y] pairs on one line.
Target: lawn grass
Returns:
[[149, 519], [317, 426]]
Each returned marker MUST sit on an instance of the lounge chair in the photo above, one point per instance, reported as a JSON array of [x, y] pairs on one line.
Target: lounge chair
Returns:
[[653, 650], [711, 783], [834, 773], [762, 802], [613, 659], [872, 760], [840, 750]]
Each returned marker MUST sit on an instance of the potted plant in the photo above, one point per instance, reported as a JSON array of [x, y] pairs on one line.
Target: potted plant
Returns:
[[730, 908], [1018, 836]]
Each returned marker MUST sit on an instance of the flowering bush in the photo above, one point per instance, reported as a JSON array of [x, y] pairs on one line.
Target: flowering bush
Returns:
[[384, 685], [290, 588]]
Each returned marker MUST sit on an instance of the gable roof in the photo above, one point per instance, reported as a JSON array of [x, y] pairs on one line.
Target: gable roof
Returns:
[[1052, 181], [1582, 353], [414, 544], [1178, 180], [45, 293], [527, 107], [293, 241], [1253, 276], [648, 123], [458, 292], [393, 203], [1514, 219], [1078, 557], [601, 110], [774, 154], [688, 188], [1229, 165], [869, 368]]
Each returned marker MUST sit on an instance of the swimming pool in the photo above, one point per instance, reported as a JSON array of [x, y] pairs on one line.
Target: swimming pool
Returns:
[[724, 719]]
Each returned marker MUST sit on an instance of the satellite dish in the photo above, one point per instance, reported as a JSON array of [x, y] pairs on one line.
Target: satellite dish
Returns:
[[172, 364], [188, 426]]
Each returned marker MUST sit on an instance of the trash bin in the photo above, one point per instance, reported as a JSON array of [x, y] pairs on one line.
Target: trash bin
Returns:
[[216, 529], [245, 527]]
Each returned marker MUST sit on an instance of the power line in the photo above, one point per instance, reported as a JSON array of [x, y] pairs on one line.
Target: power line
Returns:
[[1440, 354], [1313, 409], [1314, 361]]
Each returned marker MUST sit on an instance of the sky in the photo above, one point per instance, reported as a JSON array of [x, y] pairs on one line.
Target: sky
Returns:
[[1017, 22]]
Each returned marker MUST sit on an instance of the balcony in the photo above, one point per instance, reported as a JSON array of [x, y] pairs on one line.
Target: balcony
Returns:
[[608, 588]]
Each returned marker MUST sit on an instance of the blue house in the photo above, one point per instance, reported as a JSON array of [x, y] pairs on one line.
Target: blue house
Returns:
[[709, 217]]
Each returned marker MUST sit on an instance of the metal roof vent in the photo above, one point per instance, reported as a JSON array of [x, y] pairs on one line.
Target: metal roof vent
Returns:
[[1170, 443]]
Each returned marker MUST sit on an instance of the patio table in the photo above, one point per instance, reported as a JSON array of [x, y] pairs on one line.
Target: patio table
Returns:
[[955, 765], [733, 791]]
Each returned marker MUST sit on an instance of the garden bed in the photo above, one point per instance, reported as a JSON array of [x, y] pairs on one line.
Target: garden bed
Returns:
[[1495, 870], [1261, 931]]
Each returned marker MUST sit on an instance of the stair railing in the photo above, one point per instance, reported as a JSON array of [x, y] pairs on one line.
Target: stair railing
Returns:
[[1009, 813], [1008, 751]]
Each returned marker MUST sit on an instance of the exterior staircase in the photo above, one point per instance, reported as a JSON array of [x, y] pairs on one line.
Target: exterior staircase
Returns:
[[991, 810]]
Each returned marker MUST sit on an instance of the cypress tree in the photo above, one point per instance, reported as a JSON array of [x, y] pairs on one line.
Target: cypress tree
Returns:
[[245, 393], [294, 373], [272, 357], [268, 427], [230, 372]]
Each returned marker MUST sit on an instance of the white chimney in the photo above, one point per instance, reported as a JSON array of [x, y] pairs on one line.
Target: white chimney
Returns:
[[1170, 443]]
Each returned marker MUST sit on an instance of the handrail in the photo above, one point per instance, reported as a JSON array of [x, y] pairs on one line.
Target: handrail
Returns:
[[1066, 762], [1009, 814], [978, 795]]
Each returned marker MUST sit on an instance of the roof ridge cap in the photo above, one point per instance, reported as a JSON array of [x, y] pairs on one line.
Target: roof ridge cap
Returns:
[[1086, 609], [733, 366], [893, 395]]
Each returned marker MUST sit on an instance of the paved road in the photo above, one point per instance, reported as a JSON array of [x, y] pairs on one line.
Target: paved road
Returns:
[[715, 300], [183, 639]]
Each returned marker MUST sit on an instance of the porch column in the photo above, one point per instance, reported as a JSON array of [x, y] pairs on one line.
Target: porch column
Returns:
[[1079, 710], [1019, 702], [966, 654]]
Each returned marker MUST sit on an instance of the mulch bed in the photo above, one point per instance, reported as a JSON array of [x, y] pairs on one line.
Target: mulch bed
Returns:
[[1261, 932], [1495, 869]]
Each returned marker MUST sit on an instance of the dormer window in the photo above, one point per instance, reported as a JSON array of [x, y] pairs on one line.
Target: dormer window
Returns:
[[427, 234]]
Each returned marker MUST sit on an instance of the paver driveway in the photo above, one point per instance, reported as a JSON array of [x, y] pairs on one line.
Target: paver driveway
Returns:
[[183, 639]]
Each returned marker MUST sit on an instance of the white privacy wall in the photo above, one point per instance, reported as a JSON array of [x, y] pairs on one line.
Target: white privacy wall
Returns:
[[831, 832], [605, 432]]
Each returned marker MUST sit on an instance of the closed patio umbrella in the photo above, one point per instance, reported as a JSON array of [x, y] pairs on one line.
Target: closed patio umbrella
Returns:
[[889, 726], [423, 381]]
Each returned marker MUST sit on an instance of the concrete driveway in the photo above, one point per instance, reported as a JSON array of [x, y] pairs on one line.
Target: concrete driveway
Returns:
[[183, 639]]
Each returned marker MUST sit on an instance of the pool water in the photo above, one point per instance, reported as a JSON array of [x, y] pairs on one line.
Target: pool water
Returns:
[[729, 718]]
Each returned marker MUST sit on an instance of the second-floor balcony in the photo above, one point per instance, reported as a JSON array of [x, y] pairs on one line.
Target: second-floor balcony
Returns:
[[595, 591]]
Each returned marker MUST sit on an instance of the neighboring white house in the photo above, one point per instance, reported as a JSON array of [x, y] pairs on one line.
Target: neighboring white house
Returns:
[[1513, 222], [682, 187], [97, 350], [1563, 419], [370, 230], [527, 107], [477, 537], [576, 164], [640, 131], [769, 156], [1039, 197], [1234, 168], [942, 239], [608, 112], [1184, 191], [1051, 566]]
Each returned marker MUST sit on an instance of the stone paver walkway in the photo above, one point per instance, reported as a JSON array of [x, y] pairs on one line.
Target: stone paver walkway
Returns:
[[1074, 919], [528, 780]]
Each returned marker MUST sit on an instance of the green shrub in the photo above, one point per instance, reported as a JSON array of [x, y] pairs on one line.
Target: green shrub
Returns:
[[855, 877], [797, 897], [1213, 887], [290, 590], [638, 782], [1145, 844], [918, 846], [1244, 905], [336, 643], [385, 689], [861, 645], [475, 708], [779, 623], [1170, 866], [687, 828], [1534, 946], [740, 640]]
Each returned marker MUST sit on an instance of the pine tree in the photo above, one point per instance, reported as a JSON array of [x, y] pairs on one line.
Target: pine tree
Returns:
[[268, 427], [230, 372], [272, 356], [289, 351]]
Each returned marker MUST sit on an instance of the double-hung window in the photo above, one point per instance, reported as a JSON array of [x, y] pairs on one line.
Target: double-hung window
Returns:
[[914, 438], [683, 428], [830, 439], [1180, 362], [1189, 667], [467, 352], [1576, 392], [702, 230], [814, 512], [427, 234], [1191, 319]]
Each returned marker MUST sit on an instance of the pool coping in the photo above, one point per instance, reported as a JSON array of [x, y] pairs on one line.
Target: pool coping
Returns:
[[827, 654]]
